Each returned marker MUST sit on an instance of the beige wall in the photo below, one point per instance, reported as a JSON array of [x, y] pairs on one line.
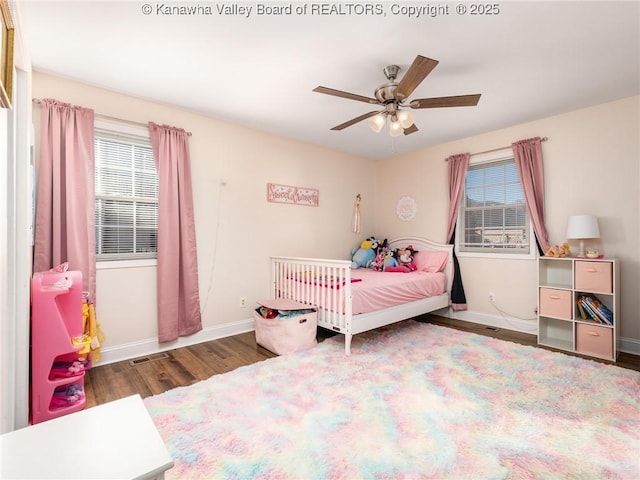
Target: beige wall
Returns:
[[237, 229], [591, 166], [591, 162]]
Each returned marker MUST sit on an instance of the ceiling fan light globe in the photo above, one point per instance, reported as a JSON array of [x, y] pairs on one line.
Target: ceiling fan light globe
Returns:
[[405, 118], [395, 128], [377, 122]]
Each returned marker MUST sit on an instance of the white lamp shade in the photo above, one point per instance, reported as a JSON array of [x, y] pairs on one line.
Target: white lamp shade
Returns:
[[395, 128], [377, 122], [406, 118], [582, 226]]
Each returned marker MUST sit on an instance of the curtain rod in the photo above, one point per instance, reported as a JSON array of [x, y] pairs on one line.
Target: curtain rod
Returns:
[[107, 117], [543, 139]]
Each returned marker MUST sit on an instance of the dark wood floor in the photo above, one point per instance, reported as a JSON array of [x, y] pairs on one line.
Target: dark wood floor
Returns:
[[185, 366]]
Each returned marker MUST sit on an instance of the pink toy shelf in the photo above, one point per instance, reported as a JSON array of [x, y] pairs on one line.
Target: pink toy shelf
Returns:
[[59, 348]]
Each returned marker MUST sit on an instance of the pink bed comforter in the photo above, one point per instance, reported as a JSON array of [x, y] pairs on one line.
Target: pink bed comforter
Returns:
[[379, 290]]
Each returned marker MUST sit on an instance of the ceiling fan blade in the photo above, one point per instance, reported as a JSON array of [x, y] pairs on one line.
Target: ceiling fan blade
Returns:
[[411, 129], [457, 101], [350, 96], [353, 121], [419, 69]]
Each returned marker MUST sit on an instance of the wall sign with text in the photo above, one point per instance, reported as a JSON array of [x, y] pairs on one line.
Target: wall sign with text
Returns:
[[294, 195], [406, 208]]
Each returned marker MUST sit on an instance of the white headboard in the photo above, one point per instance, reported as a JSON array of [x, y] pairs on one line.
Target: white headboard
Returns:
[[422, 244]]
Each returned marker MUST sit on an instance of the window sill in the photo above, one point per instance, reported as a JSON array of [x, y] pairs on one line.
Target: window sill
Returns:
[[497, 256], [111, 264]]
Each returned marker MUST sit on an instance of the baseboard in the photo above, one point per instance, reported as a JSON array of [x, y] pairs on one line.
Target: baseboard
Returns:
[[150, 346], [627, 345], [498, 321]]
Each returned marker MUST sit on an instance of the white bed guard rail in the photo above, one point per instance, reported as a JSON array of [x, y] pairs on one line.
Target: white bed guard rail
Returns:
[[324, 284]]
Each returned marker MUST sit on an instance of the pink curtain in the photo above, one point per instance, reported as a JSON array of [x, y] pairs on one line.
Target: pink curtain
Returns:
[[178, 295], [457, 166], [64, 220], [528, 159]]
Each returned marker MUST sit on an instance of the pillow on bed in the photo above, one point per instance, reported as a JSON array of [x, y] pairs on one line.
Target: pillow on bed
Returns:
[[427, 261]]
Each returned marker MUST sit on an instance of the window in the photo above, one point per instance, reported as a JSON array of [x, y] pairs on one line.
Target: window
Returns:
[[126, 208], [493, 213]]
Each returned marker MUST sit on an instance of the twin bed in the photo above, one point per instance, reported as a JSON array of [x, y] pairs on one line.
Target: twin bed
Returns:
[[352, 301]]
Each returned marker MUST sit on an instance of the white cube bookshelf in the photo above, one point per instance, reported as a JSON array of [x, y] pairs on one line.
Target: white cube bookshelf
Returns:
[[561, 325]]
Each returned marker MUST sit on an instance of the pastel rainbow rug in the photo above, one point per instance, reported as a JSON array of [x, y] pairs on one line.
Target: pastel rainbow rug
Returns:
[[413, 401]]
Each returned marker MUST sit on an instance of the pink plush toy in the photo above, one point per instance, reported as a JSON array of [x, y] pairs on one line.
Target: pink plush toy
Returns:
[[405, 261], [378, 263]]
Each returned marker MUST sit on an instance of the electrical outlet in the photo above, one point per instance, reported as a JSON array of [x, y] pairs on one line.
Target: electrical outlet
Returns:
[[491, 296], [243, 302]]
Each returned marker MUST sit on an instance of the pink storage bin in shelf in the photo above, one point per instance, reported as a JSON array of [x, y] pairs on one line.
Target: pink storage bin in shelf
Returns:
[[555, 303], [594, 340], [594, 276]]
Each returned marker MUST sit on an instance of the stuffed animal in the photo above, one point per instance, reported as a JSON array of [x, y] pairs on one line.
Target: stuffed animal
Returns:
[[381, 253], [390, 259], [405, 261], [365, 254], [558, 251], [377, 263]]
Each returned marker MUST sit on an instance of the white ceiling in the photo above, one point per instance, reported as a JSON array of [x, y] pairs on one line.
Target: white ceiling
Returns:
[[529, 61]]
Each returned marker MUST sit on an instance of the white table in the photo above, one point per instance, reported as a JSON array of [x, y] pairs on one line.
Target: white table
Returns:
[[116, 440]]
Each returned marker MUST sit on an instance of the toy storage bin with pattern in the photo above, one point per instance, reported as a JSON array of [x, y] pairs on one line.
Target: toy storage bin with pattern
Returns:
[[292, 327]]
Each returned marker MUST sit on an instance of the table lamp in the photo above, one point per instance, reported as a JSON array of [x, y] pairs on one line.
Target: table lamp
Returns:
[[581, 227]]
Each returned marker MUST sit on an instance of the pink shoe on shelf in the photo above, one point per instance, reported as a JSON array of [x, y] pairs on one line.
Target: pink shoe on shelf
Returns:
[[67, 395], [68, 369]]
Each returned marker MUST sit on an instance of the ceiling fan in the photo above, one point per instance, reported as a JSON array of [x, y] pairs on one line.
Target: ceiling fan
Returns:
[[393, 97]]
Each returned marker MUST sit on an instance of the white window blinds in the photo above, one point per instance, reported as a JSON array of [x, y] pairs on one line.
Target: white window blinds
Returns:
[[126, 209], [494, 215]]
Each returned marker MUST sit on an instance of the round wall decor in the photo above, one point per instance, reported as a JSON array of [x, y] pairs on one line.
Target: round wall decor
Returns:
[[406, 208]]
